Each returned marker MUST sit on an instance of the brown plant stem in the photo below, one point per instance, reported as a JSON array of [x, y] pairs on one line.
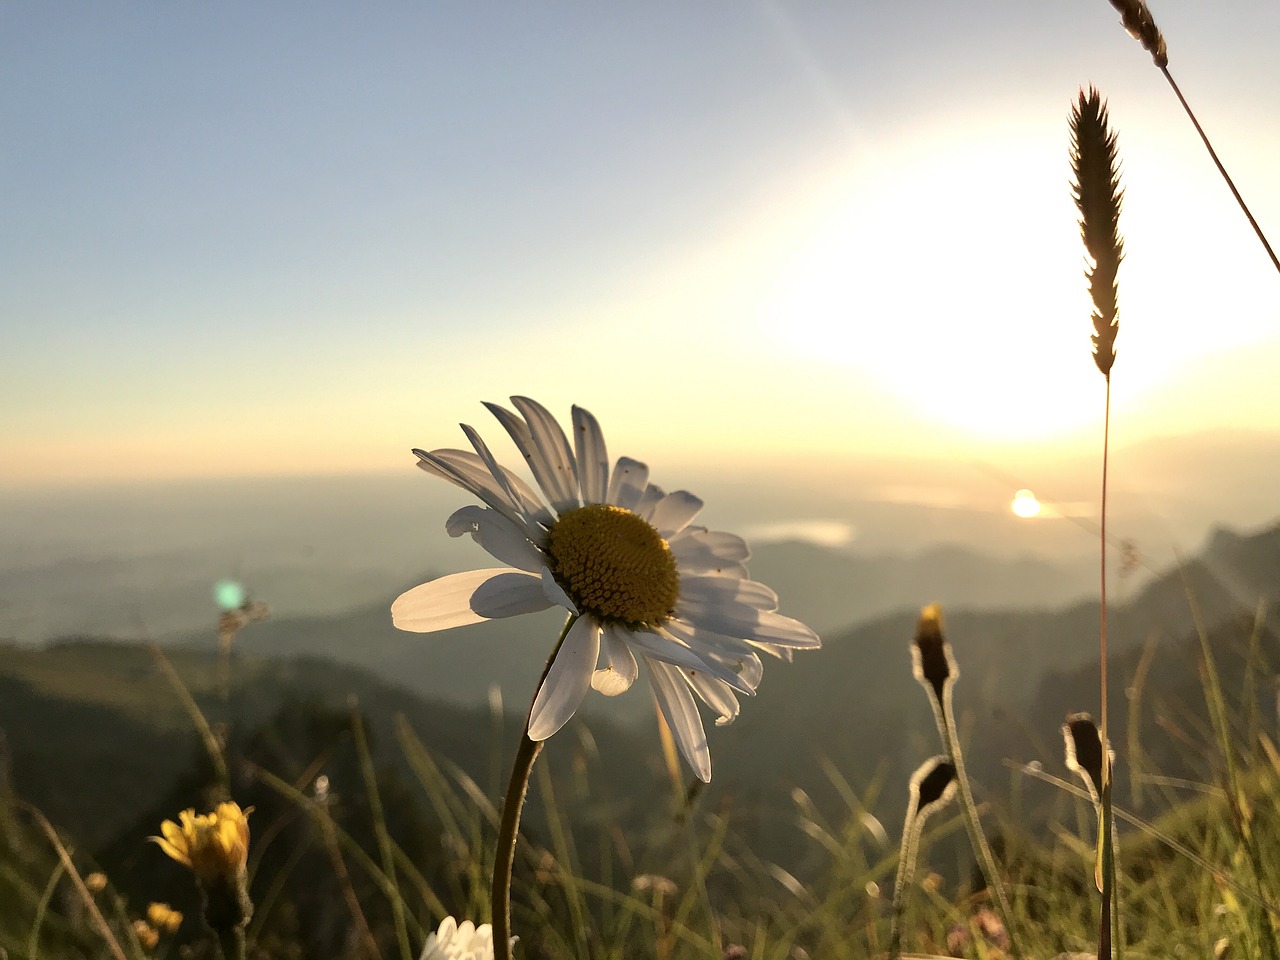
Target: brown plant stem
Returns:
[[232, 943], [1221, 169], [64, 857], [509, 827], [1106, 837], [1106, 443]]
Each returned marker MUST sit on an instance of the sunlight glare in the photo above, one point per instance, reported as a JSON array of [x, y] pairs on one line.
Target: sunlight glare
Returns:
[[1025, 504], [973, 322]]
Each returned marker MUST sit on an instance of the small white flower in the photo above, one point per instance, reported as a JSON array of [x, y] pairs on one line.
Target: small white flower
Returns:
[[459, 941], [623, 557]]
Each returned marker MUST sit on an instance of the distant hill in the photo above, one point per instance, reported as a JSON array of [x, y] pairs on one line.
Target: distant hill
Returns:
[[832, 590], [1013, 644], [826, 588], [93, 727], [95, 732]]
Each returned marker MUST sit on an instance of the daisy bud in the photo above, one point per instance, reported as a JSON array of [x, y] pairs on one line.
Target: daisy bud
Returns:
[[1084, 752], [932, 661], [932, 787]]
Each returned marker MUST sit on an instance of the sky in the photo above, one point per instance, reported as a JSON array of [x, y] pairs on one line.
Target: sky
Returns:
[[271, 239]]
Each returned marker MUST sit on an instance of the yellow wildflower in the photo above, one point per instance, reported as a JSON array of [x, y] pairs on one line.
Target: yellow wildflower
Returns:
[[147, 935], [164, 917], [214, 845], [96, 881]]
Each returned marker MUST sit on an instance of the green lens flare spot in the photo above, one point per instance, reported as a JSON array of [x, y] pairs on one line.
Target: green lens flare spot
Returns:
[[614, 565], [228, 595]]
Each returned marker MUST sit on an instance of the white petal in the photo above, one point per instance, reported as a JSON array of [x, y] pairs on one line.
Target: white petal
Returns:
[[761, 626], [453, 465], [722, 647], [463, 598], [733, 654], [593, 460], [752, 670], [620, 670], [543, 473], [552, 464], [699, 592], [648, 500], [555, 593], [526, 501], [498, 535], [465, 469], [627, 483], [717, 695], [681, 714], [674, 511], [701, 551], [662, 645], [567, 680], [519, 492], [704, 639]]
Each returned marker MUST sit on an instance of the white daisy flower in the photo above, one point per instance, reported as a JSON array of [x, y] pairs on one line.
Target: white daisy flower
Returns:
[[624, 559], [459, 941]]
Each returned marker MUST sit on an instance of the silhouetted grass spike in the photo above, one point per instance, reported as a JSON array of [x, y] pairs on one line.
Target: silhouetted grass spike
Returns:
[[1137, 19], [1098, 196]]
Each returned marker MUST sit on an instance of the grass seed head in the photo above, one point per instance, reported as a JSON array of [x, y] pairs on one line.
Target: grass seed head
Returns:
[[1137, 19], [1098, 197]]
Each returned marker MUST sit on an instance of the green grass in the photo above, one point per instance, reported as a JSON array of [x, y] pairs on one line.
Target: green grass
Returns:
[[687, 883]]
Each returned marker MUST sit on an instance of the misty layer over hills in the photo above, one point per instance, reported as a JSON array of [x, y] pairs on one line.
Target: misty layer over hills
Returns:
[[840, 541]]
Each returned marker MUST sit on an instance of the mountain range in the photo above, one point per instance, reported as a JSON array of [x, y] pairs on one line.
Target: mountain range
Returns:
[[90, 724]]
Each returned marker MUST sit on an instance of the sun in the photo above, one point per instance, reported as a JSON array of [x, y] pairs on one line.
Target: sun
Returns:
[[1025, 504]]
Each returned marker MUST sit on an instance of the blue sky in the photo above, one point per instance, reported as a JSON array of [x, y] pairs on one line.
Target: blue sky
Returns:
[[278, 238]]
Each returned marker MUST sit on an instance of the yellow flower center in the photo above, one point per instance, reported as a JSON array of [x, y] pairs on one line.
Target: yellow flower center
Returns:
[[614, 565]]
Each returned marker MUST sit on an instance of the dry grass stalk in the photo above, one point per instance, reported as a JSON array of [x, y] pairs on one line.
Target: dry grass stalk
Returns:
[[1136, 18], [1098, 197], [1142, 27]]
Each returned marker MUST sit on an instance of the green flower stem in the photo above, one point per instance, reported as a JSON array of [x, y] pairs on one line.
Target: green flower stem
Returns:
[[1109, 925], [509, 828], [906, 871], [943, 714], [227, 909], [232, 943]]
